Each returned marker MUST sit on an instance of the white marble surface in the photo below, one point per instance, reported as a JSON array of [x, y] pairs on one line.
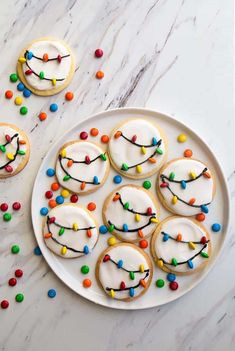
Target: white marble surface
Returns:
[[173, 56]]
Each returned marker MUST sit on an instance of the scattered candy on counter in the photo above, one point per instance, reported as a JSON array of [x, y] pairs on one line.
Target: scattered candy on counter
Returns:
[[37, 251], [85, 269], [111, 241], [53, 107], [216, 227], [7, 217], [188, 153], [69, 96], [4, 207], [99, 53], [147, 184], [16, 206], [86, 283], [8, 94], [143, 244], [83, 135], [94, 132], [42, 116], [160, 283], [4, 304], [15, 249], [103, 229], [104, 139], [99, 74], [12, 282], [18, 100], [13, 77], [91, 206], [182, 138], [18, 273], [19, 297], [117, 179], [51, 293]]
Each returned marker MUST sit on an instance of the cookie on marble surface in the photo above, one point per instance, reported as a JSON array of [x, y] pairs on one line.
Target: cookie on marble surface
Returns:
[[82, 167], [124, 271], [131, 213], [70, 231], [46, 66], [186, 186], [14, 150], [137, 148], [180, 245]]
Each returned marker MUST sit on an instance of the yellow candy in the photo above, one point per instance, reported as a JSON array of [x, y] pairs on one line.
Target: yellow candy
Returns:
[[137, 217], [192, 245], [63, 250], [182, 138], [75, 226], [174, 199], [112, 293], [10, 156], [63, 153], [18, 100], [160, 263], [65, 193], [22, 59], [111, 241], [192, 175], [139, 169], [141, 268], [143, 150], [154, 220], [53, 81]]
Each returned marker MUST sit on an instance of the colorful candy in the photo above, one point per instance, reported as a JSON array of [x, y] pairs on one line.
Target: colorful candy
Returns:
[[99, 53], [173, 285], [91, 206], [216, 227], [16, 206], [53, 107], [105, 139], [200, 217], [59, 199], [4, 207], [74, 198], [13, 77], [8, 94], [86, 283], [143, 244], [182, 138], [15, 249], [4, 304], [69, 96], [27, 93], [37, 251], [7, 217], [103, 229], [171, 277], [83, 135], [55, 186], [50, 172], [147, 184], [188, 153], [117, 179], [99, 74], [44, 211], [18, 100], [160, 283], [23, 110], [42, 116], [20, 86], [94, 132], [51, 293], [111, 241], [12, 282], [18, 273]]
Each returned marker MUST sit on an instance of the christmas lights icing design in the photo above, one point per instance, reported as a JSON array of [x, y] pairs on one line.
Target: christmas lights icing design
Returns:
[[11, 156], [125, 228], [132, 273], [49, 235], [183, 184], [126, 205]]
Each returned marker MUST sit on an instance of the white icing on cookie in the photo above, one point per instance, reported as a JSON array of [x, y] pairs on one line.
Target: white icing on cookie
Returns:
[[80, 231], [141, 213], [201, 189], [167, 248], [8, 150], [51, 69], [85, 176], [111, 277], [124, 152]]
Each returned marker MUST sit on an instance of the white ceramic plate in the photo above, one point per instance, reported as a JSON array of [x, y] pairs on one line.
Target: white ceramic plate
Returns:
[[68, 270]]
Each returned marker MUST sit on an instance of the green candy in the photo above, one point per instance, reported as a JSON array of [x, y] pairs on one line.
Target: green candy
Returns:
[[61, 231], [7, 217], [124, 167], [23, 110], [174, 262], [111, 228], [13, 77], [15, 249], [2, 148], [66, 178], [21, 152], [172, 176], [19, 297], [160, 283], [147, 184], [103, 157], [132, 275], [85, 269], [204, 254], [41, 75], [159, 151], [126, 205]]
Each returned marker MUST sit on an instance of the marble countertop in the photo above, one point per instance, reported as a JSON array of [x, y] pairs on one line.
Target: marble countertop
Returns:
[[172, 56]]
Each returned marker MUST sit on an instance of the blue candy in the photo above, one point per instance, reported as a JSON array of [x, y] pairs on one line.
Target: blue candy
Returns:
[[154, 141], [216, 227], [183, 184], [50, 172], [103, 229], [59, 199], [117, 179], [165, 237], [86, 250], [120, 264], [125, 227], [44, 211], [204, 209], [20, 86], [96, 180], [53, 107], [51, 293], [27, 93], [190, 264], [29, 55], [132, 292], [37, 251], [171, 277]]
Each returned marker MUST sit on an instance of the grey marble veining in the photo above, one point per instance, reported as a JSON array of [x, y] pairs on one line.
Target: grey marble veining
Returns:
[[172, 56]]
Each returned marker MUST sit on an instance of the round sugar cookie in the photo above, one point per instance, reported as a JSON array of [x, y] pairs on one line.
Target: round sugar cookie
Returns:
[[180, 245], [131, 213], [137, 148], [46, 66], [82, 167], [186, 186], [70, 231], [14, 150], [124, 271]]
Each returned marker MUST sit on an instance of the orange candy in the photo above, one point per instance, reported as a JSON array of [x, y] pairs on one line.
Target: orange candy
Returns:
[[152, 160], [117, 134], [42, 116], [188, 153], [52, 203], [99, 75], [69, 96], [82, 186], [69, 163], [8, 94], [55, 186], [91, 206], [191, 201], [94, 132], [143, 244], [179, 237], [200, 217], [45, 57], [105, 139], [47, 235], [140, 233], [86, 283], [116, 197]]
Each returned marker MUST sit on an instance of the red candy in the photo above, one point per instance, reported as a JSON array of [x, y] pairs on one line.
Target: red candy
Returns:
[[106, 258], [12, 282], [143, 244], [87, 160], [74, 198], [4, 207], [164, 185], [49, 194], [122, 285], [173, 285], [8, 94], [8, 138], [149, 211], [16, 206], [59, 58], [18, 273], [52, 220], [8, 169], [134, 138], [99, 53], [83, 135], [203, 240], [4, 304]]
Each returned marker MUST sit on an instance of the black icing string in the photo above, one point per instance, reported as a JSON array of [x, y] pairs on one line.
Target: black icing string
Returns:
[[163, 177], [132, 210], [16, 153], [183, 241], [183, 262], [130, 287], [132, 230], [124, 269], [50, 59], [61, 226], [155, 152], [139, 145], [93, 160], [44, 78]]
